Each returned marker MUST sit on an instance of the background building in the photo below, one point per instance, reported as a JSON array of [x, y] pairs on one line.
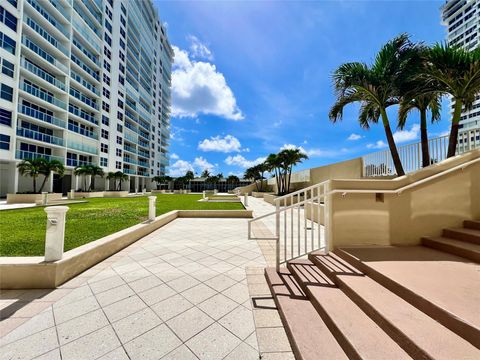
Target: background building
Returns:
[[462, 19], [84, 82]]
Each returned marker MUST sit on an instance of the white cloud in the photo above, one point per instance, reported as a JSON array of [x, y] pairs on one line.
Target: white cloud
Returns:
[[198, 49], [354, 137], [239, 160], [202, 164], [198, 88], [179, 168], [401, 136], [174, 156], [314, 152], [226, 144], [378, 145]]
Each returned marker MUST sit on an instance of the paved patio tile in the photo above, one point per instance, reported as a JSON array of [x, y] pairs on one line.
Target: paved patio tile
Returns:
[[217, 306], [156, 294], [220, 282], [267, 318], [215, 342], [183, 283], [252, 340], [123, 308], [180, 353], [163, 338], [80, 326], [31, 346], [239, 322], [106, 284], [91, 346], [117, 354], [189, 323], [74, 309], [74, 295], [278, 356], [272, 340], [198, 293], [238, 293], [243, 352], [136, 324], [171, 307]]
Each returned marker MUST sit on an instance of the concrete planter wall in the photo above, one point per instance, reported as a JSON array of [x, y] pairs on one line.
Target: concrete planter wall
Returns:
[[92, 194], [258, 194], [270, 198], [115, 194], [31, 198]]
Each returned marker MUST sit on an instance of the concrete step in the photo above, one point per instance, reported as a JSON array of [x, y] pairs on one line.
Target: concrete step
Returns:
[[442, 285], [418, 334], [358, 335], [308, 334], [461, 248], [470, 235], [472, 224]]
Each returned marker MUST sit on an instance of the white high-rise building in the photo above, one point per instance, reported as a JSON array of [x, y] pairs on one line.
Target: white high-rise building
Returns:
[[462, 20], [83, 82]]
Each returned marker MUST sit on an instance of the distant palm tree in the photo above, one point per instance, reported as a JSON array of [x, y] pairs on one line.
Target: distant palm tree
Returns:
[[93, 172], [205, 173], [376, 87], [121, 177], [32, 168], [290, 158], [112, 176], [455, 71], [233, 180], [423, 103], [49, 166], [273, 164], [84, 171]]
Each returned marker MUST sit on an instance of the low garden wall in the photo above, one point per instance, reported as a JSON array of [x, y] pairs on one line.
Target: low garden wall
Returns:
[[270, 198], [31, 198], [259, 194], [92, 194], [115, 194]]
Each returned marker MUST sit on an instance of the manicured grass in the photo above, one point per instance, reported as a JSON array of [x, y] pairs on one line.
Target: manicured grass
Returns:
[[22, 231]]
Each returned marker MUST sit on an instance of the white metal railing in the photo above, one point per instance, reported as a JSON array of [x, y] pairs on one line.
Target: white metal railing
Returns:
[[381, 163], [301, 223]]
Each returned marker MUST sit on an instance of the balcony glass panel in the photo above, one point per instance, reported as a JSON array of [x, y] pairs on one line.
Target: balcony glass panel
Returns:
[[22, 155], [45, 34], [42, 53], [82, 131], [42, 74], [35, 135], [48, 17], [34, 113], [43, 95], [82, 147]]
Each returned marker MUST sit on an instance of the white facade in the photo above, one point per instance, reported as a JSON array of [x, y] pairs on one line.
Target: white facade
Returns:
[[84, 82], [462, 20]]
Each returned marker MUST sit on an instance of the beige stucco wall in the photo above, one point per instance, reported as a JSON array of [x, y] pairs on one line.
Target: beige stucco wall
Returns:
[[31, 198], [358, 219]]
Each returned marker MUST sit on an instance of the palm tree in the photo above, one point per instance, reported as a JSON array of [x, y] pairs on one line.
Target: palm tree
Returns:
[[93, 172], [454, 71], [376, 87], [233, 180], [290, 157], [49, 166], [205, 173], [31, 168], [82, 170], [423, 103], [112, 176], [273, 164], [121, 177]]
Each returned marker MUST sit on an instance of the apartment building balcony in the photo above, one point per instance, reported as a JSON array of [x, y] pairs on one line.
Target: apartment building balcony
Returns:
[[129, 171], [76, 162], [55, 4], [45, 18], [85, 54], [27, 155], [45, 97], [41, 76], [31, 113], [81, 131], [86, 86], [143, 173], [129, 149], [131, 127], [79, 65], [142, 163], [89, 149], [129, 160], [41, 34], [85, 100], [81, 115], [91, 10], [143, 153], [41, 137], [43, 57]]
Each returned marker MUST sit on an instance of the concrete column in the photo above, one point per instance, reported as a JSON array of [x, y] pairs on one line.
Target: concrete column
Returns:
[[71, 194], [44, 197], [245, 199], [50, 183], [107, 184], [13, 187], [55, 235], [204, 195], [75, 181], [151, 207]]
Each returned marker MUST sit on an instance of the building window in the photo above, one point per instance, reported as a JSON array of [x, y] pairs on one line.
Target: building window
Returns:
[[108, 40], [119, 116], [5, 117], [6, 92], [105, 106], [104, 148], [122, 33], [108, 12], [104, 134], [105, 120], [119, 152], [13, 2], [4, 142], [122, 44], [107, 52], [8, 19], [122, 20], [121, 55], [120, 104], [119, 140], [103, 162], [7, 67], [106, 79], [106, 93], [121, 79], [106, 65], [7, 43], [108, 26], [119, 128], [118, 165]]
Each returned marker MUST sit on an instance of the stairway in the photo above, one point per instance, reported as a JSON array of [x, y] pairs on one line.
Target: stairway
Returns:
[[385, 302]]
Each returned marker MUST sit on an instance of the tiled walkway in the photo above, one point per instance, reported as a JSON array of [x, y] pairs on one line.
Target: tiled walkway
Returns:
[[179, 293]]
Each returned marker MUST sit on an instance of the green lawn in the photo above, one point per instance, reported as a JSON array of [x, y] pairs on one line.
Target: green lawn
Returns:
[[22, 231]]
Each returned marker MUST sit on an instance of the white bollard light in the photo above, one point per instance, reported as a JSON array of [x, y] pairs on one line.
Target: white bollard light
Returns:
[[44, 198], [245, 199], [55, 235], [151, 207]]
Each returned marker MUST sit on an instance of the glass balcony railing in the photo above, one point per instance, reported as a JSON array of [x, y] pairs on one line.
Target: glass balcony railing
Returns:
[[129, 149], [82, 147], [84, 82], [83, 98], [56, 4], [80, 28], [45, 34], [42, 74], [48, 17], [86, 52], [82, 114], [35, 135], [42, 53], [85, 67], [34, 113], [129, 171], [131, 138], [130, 160], [27, 155], [143, 163], [142, 173], [82, 131], [43, 95], [143, 153], [131, 127], [94, 12], [75, 162]]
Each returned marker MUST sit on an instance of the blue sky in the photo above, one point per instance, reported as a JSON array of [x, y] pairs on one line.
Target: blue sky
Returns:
[[252, 77]]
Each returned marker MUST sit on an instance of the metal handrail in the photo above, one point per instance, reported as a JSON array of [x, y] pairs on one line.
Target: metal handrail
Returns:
[[301, 190]]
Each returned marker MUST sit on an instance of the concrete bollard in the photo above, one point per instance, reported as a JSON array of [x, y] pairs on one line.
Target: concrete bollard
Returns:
[[151, 207], [204, 194], [55, 235], [245, 199], [44, 198], [71, 195], [144, 191]]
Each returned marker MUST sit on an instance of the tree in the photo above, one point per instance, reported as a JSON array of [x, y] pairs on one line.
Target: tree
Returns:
[[31, 168], [273, 163], [454, 71], [423, 103], [212, 179], [49, 166], [252, 174], [205, 173], [233, 180], [161, 180], [112, 176], [93, 172], [290, 158], [189, 175], [82, 170], [121, 177], [376, 87]]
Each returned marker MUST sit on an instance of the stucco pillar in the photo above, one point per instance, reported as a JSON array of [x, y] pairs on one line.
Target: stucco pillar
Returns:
[[55, 235], [152, 200], [245, 199], [13, 186]]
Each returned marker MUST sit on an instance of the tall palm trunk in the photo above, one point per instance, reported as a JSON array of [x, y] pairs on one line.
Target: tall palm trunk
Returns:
[[452, 141], [92, 183], [424, 138], [391, 144], [43, 183], [34, 184]]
